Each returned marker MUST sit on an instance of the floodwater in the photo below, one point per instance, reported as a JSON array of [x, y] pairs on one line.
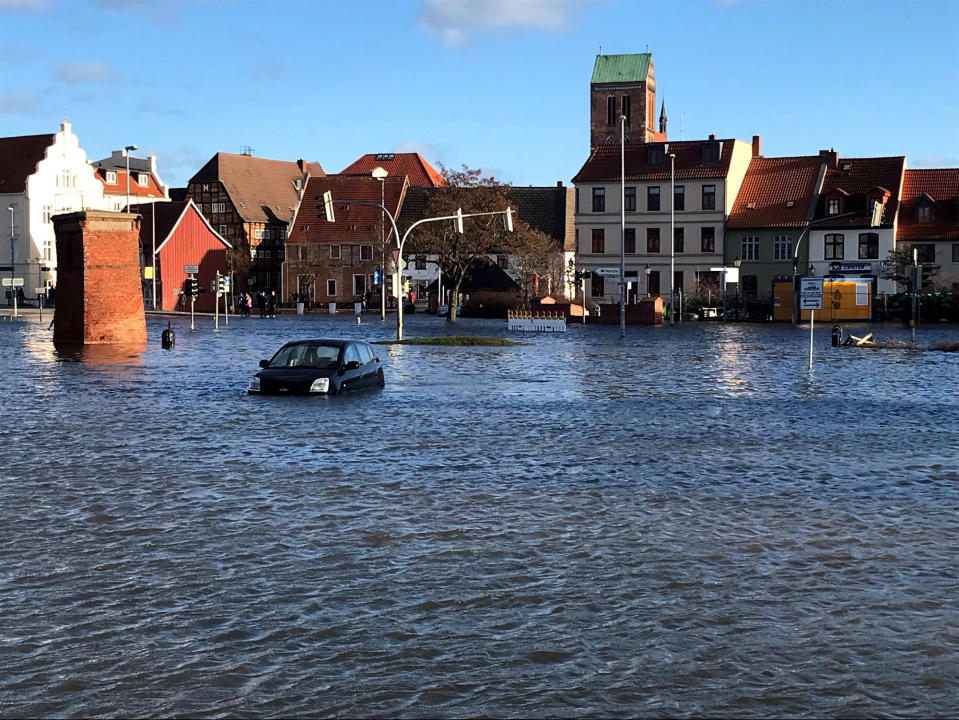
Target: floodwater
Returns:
[[684, 522]]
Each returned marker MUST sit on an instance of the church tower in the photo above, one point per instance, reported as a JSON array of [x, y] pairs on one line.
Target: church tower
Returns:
[[662, 120], [622, 85]]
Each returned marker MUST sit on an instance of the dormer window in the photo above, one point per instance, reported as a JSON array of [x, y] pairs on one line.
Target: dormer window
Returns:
[[925, 214], [925, 208], [711, 152], [832, 206], [143, 179], [111, 177], [656, 155]]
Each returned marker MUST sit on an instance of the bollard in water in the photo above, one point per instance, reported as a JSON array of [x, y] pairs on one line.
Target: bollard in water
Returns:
[[168, 338], [836, 336]]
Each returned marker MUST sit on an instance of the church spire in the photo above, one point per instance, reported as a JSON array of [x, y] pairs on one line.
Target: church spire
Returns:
[[662, 118]]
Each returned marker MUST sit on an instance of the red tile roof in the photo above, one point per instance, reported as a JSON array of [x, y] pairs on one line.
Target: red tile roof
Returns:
[[855, 180], [310, 225], [942, 187], [603, 164], [120, 187], [18, 160], [419, 172], [776, 192], [261, 189]]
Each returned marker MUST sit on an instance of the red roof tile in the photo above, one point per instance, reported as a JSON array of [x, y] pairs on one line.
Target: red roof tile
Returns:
[[310, 225], [419, 172], [856, 179], [776, 192], [120, 187], [942, 187], [603, 164], [18, 160]]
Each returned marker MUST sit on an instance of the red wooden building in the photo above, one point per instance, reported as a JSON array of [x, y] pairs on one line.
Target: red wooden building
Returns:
[[183, 237]]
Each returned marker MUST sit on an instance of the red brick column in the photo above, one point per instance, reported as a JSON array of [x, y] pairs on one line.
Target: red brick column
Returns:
[[99, 295]]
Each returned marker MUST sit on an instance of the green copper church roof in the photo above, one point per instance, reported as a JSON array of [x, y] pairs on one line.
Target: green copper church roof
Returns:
[[621, 68]]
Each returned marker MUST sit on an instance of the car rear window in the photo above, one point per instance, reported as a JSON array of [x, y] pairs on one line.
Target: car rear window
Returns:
[[306, 355]]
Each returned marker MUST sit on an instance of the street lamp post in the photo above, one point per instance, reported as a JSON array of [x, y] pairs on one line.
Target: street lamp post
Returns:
[[647, 271], [380, 174], [672, 233], [126, 152], [622, 226], [736, 263], [13, 255], [329, 200]]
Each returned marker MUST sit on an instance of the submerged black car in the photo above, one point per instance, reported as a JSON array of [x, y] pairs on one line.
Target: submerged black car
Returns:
[[318, 366]]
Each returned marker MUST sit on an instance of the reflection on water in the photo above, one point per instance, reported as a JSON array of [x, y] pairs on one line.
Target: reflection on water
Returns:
[[680, 522]]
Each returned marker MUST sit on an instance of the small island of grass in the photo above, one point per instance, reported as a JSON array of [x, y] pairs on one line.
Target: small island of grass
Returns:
[[452, 341]]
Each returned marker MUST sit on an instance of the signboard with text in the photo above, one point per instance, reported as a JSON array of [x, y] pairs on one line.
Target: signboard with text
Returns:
[[810, 293]]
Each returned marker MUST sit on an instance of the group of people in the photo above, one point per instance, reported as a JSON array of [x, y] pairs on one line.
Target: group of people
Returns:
[[267, 303]]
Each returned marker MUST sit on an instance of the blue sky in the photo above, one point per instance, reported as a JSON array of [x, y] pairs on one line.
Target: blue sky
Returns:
[[501, 85]]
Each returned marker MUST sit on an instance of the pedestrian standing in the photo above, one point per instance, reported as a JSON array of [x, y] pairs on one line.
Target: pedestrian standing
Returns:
[[247, 304], [271, 303], [261, 303]]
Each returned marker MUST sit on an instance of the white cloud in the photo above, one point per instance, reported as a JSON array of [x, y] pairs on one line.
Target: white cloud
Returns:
[[934, 161], [17, 103], [453, 19], [85, 72]]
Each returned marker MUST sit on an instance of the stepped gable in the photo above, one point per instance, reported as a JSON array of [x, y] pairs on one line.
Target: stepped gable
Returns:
[[419, 172], [938, 188], [776, 192], [19, 157]]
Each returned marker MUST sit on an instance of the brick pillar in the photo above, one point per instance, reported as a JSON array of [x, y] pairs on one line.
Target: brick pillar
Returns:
[[99, 295]]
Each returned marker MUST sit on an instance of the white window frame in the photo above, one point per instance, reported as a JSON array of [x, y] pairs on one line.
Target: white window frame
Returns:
[[783, 247], [111, 177], [832, 206], [366, 253], [331, 285], [258, 234], [749, 248], [357, 291], [143, 179]]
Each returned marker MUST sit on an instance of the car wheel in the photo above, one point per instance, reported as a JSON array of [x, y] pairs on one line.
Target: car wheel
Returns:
[[380, 379]]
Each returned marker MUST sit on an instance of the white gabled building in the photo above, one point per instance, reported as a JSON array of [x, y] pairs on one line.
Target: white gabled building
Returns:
[[141, 187], [41, 176]]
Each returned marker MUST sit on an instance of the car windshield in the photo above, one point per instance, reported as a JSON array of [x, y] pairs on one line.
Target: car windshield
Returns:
[[307, 355]]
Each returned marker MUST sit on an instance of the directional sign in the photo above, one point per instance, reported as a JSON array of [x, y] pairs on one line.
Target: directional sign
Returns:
[[810, 293], [191, 269], [607, 272], [12, 282]]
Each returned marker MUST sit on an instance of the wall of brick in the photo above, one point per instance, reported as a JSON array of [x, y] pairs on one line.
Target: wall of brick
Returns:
[[99, 297]]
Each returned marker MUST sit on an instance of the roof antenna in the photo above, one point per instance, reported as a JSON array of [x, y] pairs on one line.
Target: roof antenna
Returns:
[[600, 49]]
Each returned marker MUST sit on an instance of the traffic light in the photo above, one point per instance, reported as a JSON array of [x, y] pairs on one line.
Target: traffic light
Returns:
[[191, 288], [221, 287], [578, 275]]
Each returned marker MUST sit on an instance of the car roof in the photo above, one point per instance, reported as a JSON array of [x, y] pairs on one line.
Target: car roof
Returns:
[[325, 341]]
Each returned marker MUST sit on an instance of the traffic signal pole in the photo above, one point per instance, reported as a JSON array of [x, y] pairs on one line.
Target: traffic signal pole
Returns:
[[193, 288]]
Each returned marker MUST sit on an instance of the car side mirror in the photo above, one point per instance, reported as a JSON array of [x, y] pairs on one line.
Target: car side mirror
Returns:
[[352, 365], [264, 363]]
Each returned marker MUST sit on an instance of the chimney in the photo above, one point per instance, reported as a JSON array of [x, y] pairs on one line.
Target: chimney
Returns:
[[301, 163], [712, 136], [830, 157], [757, 146], [559, 183]]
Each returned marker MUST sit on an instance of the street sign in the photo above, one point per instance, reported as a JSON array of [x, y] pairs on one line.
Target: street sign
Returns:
[[607, 271], [395, 252], [810, 293], [191, 269], [40, 291], [12, 282]]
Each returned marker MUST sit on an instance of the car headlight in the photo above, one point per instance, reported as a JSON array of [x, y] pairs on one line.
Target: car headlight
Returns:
[[320, 385], [254, 384]]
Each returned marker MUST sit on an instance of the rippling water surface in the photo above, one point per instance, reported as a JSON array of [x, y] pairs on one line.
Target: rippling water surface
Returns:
[[683, 523]]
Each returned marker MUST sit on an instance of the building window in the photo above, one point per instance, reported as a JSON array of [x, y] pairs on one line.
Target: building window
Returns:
[[48, 248], [629, 241], [143, 179], [832, 206], [783, 247], [599, 240], [359, 284], [599, 199], [652, 198], [833, 246], [611, 110], [709, 197], [420, 263], [926, 254], [652, 282], [955, 252], [925, 214], [331, 287], [366, 253], [280, 254], [258, 234], [652, 240], [679, 198], [678, 280], [630, 198], [217, 207], [111, 177], [597, 287], [679, 239], [334, 252], [47, 212], [707, 239], [711, 153], [868, 246], [223, 230], [656, 155], [750, 247], [626, 109]]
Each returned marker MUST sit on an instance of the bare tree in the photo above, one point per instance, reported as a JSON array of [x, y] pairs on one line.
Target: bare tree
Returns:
[[897, 267]]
